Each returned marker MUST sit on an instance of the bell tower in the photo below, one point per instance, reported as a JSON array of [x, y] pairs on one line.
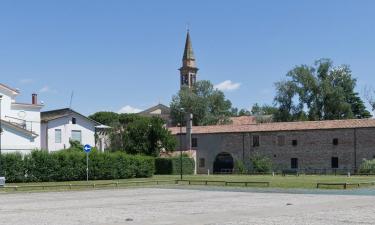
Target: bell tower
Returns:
[[188, 71]]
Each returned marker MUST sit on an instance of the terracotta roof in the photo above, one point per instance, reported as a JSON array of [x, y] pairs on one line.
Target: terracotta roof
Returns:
[[243, 120], [281, 126]]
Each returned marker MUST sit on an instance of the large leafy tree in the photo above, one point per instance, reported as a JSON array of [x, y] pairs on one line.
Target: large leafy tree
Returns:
[[106, 118], [319, 92], [136, 134], [207, 104], [263, 110], [146, 135]]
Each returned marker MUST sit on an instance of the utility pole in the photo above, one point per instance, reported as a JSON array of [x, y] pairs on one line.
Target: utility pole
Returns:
[[181, 120]]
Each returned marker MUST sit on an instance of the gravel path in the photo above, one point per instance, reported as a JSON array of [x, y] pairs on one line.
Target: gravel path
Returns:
[[186, 207]]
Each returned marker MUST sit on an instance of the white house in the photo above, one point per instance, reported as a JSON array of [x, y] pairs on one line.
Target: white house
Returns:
[[20, 122], [62, 125]]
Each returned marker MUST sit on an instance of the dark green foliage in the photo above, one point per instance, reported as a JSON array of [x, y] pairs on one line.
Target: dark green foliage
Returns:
[[261, 164], [173, 165], [163, 166], [367, 167], [207, 104], [257, 110], [239, 167], [106, 118], [319, 92], [69, 165], [13, 166], [144, 135]]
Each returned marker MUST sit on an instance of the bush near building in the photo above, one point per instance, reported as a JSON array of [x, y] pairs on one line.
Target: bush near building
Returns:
[[70, 165], [172, 165], [367, 167], [261, 164]]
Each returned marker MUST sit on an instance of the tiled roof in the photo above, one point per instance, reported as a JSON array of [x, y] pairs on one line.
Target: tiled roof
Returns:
[[58, 113], [281, 126], [243, 120], [164, 109]]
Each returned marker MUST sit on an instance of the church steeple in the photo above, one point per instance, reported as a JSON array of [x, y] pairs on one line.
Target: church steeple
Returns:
[[188, 71]]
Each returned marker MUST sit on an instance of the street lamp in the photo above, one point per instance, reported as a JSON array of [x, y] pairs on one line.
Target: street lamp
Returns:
[[181, 120]]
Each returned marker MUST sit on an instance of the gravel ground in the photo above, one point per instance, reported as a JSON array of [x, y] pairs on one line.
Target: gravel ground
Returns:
[[182, 206]]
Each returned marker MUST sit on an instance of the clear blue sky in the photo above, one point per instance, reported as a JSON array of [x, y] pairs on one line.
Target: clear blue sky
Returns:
[[118, 53]]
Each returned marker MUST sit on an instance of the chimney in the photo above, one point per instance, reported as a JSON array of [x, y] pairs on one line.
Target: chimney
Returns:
[[34, 99]]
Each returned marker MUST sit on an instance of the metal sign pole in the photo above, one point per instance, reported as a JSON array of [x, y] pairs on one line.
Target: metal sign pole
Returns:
[[87, 167], [87, 149]]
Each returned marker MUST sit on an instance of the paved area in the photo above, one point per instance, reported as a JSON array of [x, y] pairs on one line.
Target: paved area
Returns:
[[186, 207]]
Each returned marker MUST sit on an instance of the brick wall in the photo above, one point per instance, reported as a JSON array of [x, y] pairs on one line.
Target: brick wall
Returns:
[[314, 148]]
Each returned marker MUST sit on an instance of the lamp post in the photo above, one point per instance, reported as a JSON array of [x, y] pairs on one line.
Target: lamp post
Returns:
[[181, 120]]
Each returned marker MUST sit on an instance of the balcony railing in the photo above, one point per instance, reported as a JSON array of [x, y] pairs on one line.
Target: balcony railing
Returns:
[[24, 124]]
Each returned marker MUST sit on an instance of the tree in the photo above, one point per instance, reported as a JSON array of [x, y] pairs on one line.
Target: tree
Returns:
[[146, 135], [319, 92], [106, 118], [136, 134], [207, 104], [264, 110]]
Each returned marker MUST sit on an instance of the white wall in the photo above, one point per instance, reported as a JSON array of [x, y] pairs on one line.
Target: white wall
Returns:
[[86, 127], [13, 139]]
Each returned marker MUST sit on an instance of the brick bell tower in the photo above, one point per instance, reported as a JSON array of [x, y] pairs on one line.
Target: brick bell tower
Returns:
[[188, 71]]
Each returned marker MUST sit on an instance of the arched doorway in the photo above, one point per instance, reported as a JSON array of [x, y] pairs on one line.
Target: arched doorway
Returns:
[[223, 163]]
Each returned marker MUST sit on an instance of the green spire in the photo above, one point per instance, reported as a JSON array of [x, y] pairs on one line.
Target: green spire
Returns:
[[188, 52]]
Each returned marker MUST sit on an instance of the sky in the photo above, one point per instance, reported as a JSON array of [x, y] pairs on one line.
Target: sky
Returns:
[[124, 55]]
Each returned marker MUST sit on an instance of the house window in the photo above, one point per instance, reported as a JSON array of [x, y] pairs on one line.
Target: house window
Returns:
[[76, 136], [335, 141], [294, 142], [74, 120], [202, 162], [256, 141], [281, 140], [335, 162], [294, 163], [57, 135], [194, 142]]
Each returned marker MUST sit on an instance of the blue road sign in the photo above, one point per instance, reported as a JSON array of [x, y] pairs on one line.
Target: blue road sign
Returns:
[[87, 148]]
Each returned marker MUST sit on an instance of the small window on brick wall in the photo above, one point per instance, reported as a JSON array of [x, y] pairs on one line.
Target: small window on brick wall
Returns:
[[256, 141], [294, 142], [281, 140], [335, 141], [335, 162], [202, 162], [194, 142]]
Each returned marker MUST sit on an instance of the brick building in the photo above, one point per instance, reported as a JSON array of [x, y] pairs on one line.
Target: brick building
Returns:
[[311, 146], [315, 146]]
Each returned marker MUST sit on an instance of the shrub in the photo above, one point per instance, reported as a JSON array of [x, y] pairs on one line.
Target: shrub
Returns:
[[68, 165], [173, 165], [239, 167], [367, 166], [261, 164], [13, 167]]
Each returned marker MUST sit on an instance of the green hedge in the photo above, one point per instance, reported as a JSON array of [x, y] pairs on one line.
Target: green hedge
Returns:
[[172, 165], [367, 166], [71, 165]]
